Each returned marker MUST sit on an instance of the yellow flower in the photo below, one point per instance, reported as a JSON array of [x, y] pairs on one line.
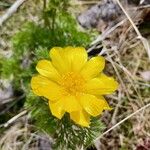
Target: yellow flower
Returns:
[[73, 84]]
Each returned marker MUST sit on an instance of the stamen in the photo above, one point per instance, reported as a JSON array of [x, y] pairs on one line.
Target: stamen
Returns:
[[72, 82]]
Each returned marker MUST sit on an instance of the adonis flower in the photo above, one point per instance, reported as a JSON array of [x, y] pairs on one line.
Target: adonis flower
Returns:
[[73, 84]]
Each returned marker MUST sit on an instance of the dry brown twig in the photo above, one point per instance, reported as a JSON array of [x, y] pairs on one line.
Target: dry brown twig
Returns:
[[143, 40], [105, 34], [122, 121], [15, 118], [84, 2], [11, 11]]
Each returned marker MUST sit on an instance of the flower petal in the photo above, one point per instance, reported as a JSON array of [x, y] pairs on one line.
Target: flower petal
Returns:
[[65, 104], [56, 109], [93, 67], [58, 61], [101, 85], [70, 103], [77, 57], [80, 117], [93, 105], [68, 58], [42, 86], [45, 68]]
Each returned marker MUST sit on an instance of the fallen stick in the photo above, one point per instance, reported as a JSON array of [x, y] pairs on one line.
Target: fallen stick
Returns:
[[14, 118], [143, 40], [122, 121], [11, 11]]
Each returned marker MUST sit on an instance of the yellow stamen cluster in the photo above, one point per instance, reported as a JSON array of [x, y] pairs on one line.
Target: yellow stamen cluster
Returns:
[[73, 82]]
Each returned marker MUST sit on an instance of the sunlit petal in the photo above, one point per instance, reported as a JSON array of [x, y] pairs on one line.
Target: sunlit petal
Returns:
[[93, 105], [70, 103], [45, 87], [101, 85], [45, 68], [58, 61], [56, 109], [93, 67], [69, 58], [80, 117], [77, 57]]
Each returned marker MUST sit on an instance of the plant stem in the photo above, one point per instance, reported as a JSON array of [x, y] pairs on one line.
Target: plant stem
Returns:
[[44, 4], [46, 20]]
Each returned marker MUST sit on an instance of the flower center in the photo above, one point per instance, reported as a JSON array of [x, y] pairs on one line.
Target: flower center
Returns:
[[72, 82]]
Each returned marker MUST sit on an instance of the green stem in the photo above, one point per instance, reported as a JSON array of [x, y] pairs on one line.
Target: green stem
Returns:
[[53, 19], [44, 5], [46, 21]]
